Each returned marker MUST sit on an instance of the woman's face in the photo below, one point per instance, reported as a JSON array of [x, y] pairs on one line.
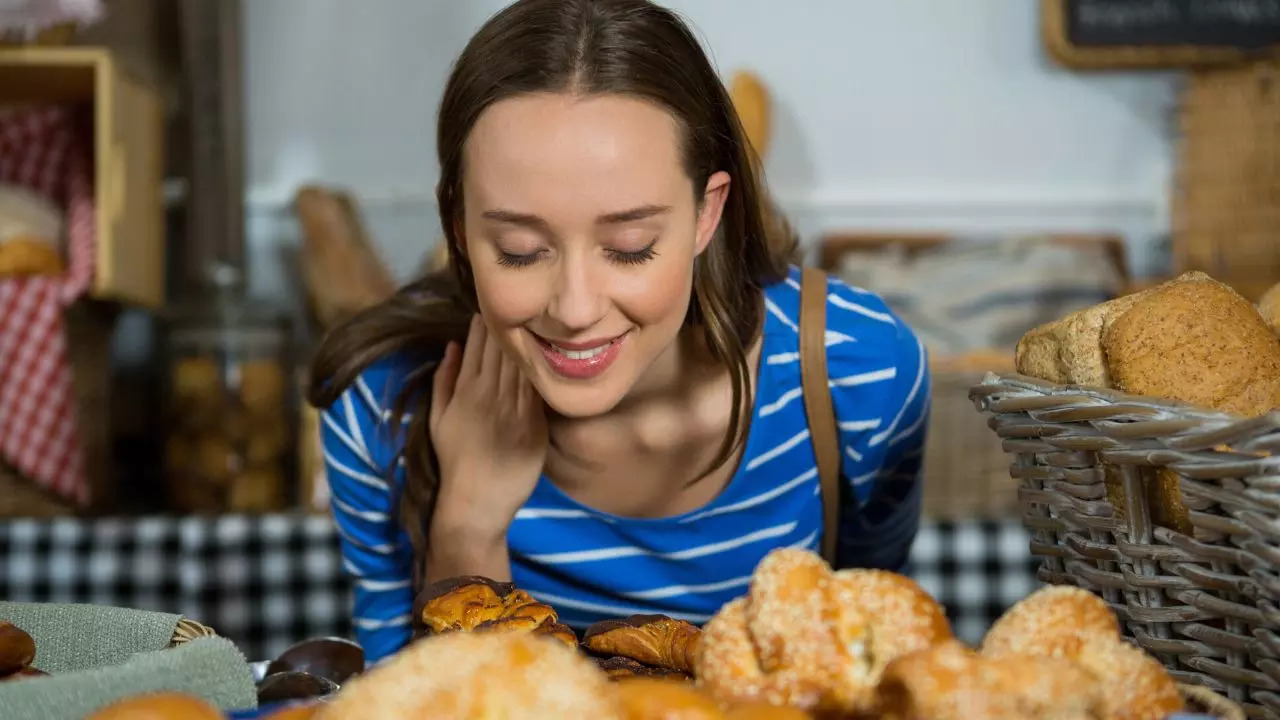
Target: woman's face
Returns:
[[581, 228]]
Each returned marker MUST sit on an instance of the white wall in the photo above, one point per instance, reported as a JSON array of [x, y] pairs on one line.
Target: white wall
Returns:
[[917, 114]]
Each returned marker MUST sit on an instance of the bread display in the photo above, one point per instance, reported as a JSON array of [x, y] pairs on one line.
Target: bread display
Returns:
[[1191, 339], [478, 675], [659, 645], [813, 639]]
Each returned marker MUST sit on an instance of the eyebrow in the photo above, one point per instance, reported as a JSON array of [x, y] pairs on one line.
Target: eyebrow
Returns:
[[512, 217]]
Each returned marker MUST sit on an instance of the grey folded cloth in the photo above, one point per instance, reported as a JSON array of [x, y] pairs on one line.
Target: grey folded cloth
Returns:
[[96, 655]]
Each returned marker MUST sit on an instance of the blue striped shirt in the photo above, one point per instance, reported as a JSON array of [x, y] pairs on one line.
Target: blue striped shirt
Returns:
[[591, 565]]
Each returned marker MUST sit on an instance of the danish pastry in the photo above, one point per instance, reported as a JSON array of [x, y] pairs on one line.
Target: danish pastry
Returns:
[[477, 604]]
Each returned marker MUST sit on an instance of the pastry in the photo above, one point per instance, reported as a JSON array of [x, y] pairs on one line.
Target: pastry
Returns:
[[469, 602], [952, 682], [654, 640], [811, 639], [471, 675], [1073, 624], [645, 698]]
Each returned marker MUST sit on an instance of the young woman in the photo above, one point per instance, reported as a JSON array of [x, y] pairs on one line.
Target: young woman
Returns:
[[601, 400]]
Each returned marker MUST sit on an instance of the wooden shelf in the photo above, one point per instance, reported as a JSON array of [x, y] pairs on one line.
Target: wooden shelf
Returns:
[[128, 146]]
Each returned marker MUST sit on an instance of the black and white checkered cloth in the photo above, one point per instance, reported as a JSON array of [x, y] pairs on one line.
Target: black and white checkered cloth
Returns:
[[269, 581]]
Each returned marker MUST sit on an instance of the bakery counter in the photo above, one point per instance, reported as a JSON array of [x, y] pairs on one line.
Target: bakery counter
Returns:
[[268, 581]]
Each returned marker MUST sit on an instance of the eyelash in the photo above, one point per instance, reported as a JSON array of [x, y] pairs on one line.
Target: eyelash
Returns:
[[638, 257]]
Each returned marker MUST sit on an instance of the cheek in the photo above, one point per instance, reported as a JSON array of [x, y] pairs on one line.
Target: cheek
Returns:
[[507, 300], [659, 296]]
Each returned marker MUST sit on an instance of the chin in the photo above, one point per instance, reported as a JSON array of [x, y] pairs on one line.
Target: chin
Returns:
[[580, 400]]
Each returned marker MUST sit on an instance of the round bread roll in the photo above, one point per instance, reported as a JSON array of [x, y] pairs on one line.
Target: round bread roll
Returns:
[[807, 638], [1132, 684], [1053, 621], [159, 706], [1196, 342], [478, 675]]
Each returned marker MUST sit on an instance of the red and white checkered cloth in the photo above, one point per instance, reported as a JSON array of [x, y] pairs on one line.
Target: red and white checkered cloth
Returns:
[[48, 151]]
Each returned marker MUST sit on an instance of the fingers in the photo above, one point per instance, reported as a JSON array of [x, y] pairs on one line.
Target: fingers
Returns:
[[444, 381], [473, 352], [491, 363]]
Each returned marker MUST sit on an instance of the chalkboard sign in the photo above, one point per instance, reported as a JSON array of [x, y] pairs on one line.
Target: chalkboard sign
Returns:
[[1159, 33]]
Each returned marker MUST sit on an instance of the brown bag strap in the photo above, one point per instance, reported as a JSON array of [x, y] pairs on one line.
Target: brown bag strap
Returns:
[[817, 401]]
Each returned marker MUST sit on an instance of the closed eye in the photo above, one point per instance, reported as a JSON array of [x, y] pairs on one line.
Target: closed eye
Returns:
[[635, 257]]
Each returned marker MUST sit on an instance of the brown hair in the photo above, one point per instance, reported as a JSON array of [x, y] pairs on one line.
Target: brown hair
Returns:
[[626, 47]]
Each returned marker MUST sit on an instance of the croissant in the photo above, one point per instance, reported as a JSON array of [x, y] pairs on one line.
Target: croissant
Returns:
[[809, 638], [655, 640], [471, 603], [1076, 625]]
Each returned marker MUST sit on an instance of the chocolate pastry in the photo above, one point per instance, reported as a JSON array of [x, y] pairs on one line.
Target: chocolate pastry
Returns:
[[655, 640], [17, 649], [618, 667]]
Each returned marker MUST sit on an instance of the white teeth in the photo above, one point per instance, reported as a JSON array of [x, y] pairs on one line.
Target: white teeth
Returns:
[[581, 354]]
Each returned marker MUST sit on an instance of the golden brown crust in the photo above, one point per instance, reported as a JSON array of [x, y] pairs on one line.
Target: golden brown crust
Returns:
[[464, 674], [558, 631], [1132, 684], [807, 638], [951, 682], [473, 603], [1069, 350], [1199, 343], [655, 640], [1053, 621], [645, 698]]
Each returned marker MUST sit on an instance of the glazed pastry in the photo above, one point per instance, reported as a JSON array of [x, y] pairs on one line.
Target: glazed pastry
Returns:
[[811, 639], [645, 698], [473, 675], [654, 640], [467, 602]]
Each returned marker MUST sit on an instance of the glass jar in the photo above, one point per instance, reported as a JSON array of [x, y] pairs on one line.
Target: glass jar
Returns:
[[229, 419]]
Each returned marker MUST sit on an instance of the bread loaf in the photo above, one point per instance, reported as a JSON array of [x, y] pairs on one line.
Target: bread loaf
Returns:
[[1196, 342], [1069, 351]]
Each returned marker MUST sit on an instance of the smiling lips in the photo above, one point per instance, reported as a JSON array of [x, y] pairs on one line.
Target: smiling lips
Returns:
[[581, 361]]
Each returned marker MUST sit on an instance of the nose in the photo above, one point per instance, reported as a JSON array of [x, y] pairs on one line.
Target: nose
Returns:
[[578, 299]]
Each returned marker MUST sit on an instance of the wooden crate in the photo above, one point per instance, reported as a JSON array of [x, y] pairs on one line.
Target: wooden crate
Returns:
[[128, 140], [1227, 198]]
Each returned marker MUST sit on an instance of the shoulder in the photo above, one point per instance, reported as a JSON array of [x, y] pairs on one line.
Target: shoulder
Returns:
[[360, 418], [862, 332]]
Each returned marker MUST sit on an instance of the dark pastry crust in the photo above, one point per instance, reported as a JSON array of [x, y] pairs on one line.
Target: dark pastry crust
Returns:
[[654, 640], [617, 667]]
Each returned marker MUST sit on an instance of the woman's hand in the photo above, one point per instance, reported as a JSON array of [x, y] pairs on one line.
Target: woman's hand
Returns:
[[489, 431]]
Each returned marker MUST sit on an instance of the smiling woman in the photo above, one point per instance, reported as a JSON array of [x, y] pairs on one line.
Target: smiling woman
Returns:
[[601, 398]]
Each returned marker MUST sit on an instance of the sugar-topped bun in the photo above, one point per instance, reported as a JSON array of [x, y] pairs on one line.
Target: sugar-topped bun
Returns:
[[1052, 621], [1069, 623], [951, 682], [478, 675], [811, 639]]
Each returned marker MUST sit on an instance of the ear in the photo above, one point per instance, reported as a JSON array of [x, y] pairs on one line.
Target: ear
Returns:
[[711, 209]]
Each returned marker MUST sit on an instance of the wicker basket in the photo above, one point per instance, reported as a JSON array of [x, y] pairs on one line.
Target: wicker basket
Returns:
[[1206, 604]]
